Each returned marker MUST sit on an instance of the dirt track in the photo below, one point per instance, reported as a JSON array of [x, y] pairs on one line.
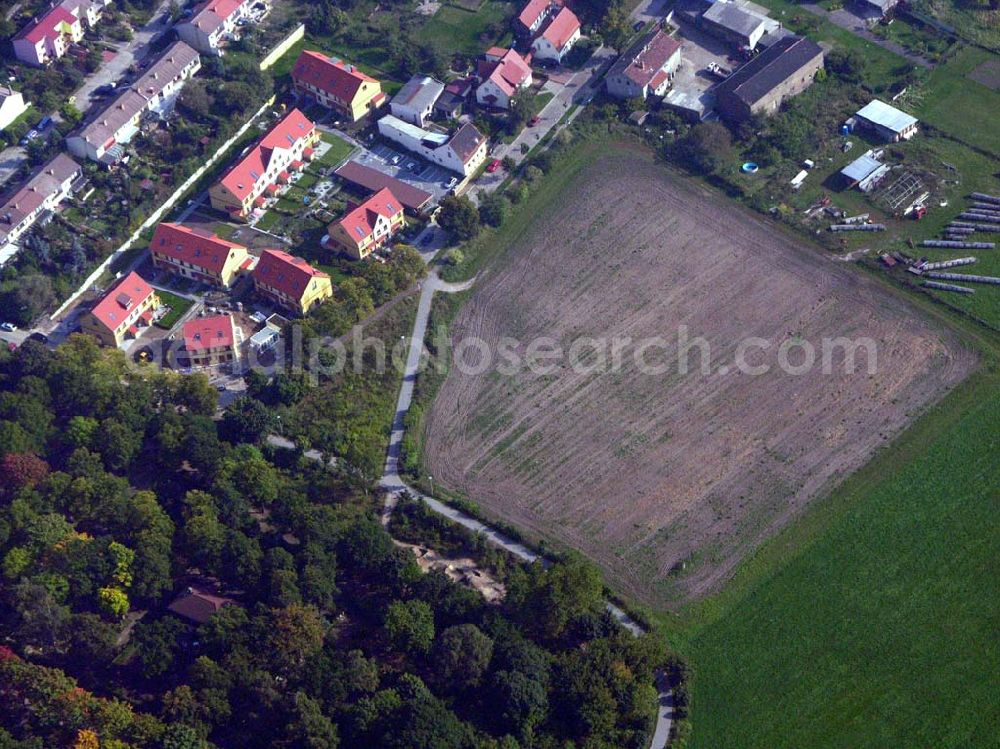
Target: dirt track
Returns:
[[642, 472]]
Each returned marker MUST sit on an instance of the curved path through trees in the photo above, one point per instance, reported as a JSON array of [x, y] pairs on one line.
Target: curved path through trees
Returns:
[[394, 485]]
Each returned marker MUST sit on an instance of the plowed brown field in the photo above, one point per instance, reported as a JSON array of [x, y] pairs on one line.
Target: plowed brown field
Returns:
[[644, 472]]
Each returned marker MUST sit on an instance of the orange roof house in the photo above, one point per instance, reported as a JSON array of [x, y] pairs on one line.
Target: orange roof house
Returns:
[[290, 281], [198, 254], [336, 84], [260, 170], [369, 226], [122, 311]]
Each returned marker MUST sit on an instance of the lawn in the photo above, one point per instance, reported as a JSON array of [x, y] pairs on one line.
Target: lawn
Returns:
[[872, 622], [339, 150], [959, 105], [455, 29], [178, 306]]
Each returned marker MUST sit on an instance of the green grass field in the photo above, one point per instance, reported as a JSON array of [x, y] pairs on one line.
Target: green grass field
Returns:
[[455, 29], [959, 105], [178, 306], [338, 151], [871, 623]]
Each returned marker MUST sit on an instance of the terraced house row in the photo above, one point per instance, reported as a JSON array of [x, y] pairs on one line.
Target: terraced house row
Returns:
[[103, 139], [190, 252], [258, 174]]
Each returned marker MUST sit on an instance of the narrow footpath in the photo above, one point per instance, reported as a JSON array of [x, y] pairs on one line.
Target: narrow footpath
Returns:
[[394, 485]]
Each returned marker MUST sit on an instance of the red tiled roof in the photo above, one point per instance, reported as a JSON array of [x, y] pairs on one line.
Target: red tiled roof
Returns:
[[290, 275], [120, 300], [212, 15], [561, 28], [360, 222], [329, 74], [196, 246], [510, 72], [643, 68], [659, 78], [45, 28], [242, 177], [197, 605], [205, 333], [530, 13]]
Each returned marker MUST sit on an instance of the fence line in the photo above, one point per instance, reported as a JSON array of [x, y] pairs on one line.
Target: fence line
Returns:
[[159, 212]]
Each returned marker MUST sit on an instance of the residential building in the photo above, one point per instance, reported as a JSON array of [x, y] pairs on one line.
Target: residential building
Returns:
[[464, 151], [212, 22], [12, 106], [558, 38], [290, 281], [154, 93], [198, 606], [865, 172], [369, 226], [209, 341], [90, 12], [887, 122], [259, 172], [45, 190], [124, 309], [415, 101], [198, 254], [503, 73], [337, 85], [534, 14], [647, 67], [48, 37], [783, 70], [738, 24], [414, 200], [451, 102]]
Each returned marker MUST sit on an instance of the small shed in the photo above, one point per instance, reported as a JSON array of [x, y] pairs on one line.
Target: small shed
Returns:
[[865, 172], [889, 123]]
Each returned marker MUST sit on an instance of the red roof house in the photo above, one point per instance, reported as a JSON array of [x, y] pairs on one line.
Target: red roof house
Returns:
[[558, 37], [368, 226], [197, 253], [258, 171], [210, 340], [533, 15], [502, 73], [290, 281], [337, 84], [124, 308]]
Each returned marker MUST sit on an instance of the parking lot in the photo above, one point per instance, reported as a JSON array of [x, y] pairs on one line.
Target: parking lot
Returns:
[[408, 168]]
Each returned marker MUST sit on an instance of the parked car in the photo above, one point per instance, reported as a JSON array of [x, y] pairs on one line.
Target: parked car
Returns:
[[38, 336], [494, 165], [45, 122], [104, 90], [8, 327], [534, 121], [637, 26]]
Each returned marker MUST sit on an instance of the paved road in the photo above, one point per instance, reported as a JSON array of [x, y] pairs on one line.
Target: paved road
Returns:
[[135, 50]]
